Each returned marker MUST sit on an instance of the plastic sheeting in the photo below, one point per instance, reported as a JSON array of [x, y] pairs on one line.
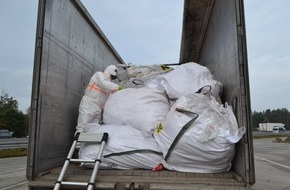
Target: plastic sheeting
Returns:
[[193, 137], [127, 148], [142, 108]]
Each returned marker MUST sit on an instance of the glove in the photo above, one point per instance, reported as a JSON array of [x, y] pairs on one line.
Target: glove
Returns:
[[121, 87]]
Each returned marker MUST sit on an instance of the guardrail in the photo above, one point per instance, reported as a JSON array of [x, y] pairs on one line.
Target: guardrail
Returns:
[[12, 143]]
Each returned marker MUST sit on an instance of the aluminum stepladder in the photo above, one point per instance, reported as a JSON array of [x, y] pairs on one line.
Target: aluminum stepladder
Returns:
[[85, 138]]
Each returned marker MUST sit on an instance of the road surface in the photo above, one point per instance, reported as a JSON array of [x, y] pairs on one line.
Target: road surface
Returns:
[[12, 173], [272, 163]]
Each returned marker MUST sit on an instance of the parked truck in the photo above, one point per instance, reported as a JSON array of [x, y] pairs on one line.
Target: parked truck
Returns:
[[269, 126], [70, 47]]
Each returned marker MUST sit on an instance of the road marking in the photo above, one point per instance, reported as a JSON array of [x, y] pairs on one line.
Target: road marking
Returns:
[[12, 170], [15, 185], [284, 166]]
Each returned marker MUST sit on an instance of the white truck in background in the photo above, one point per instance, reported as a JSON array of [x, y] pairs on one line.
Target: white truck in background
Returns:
[[269, 126]]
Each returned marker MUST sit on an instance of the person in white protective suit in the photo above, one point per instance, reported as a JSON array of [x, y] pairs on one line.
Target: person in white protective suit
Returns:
[[96, 94]]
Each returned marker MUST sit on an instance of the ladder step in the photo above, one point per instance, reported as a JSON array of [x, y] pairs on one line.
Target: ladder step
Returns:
[[89, 137], [74, 183], [82, 160]]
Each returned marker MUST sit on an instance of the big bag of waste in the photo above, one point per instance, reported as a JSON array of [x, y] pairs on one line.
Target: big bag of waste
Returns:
[[140, 75], [126, 148], [142, 108], [186, 79], [193, 136]]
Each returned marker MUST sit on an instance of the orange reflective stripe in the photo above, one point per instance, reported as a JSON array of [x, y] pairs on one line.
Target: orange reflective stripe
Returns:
[[95, 87]]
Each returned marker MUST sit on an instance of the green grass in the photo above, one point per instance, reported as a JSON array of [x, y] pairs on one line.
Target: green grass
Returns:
[[268, 136], [277, 138], [7, 153]]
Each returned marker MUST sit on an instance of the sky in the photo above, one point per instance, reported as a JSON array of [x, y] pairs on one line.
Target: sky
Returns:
[[157, 41]]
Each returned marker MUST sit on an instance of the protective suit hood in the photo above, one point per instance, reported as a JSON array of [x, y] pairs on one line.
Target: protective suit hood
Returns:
[[111, 70]]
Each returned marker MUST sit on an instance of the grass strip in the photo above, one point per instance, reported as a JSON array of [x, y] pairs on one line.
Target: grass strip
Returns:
[[267, 136], [17, 152]]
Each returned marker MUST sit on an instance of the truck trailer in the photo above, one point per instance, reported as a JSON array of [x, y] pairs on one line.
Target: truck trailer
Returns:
[[269, 126], [70, 47]]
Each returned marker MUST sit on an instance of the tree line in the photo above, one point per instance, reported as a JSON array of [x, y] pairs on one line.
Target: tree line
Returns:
[[271, 116], [11, 117]]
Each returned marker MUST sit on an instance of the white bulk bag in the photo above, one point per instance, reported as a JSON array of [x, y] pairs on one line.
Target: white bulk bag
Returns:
[[196, 140], [126, 148], [141, 75], [142, 108], [186, 79]]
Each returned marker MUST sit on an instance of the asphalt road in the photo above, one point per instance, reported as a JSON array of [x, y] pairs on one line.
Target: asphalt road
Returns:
[[272, 164], [12, 173]]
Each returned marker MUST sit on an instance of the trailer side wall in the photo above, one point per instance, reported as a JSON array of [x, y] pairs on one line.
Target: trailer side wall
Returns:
[[70, 47], [218, 41]]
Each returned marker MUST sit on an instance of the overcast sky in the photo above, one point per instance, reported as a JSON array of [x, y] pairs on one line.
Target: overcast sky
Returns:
[[159, 23]]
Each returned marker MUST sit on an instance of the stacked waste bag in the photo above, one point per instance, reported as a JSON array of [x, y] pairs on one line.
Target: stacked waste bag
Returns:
[[167, 118]]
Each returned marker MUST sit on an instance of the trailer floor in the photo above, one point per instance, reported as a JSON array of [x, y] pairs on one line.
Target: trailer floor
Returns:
[[140, 179]]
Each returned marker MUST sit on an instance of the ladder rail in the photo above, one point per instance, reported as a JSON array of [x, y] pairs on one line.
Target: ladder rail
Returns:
[[96, 167], [65, 166]]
